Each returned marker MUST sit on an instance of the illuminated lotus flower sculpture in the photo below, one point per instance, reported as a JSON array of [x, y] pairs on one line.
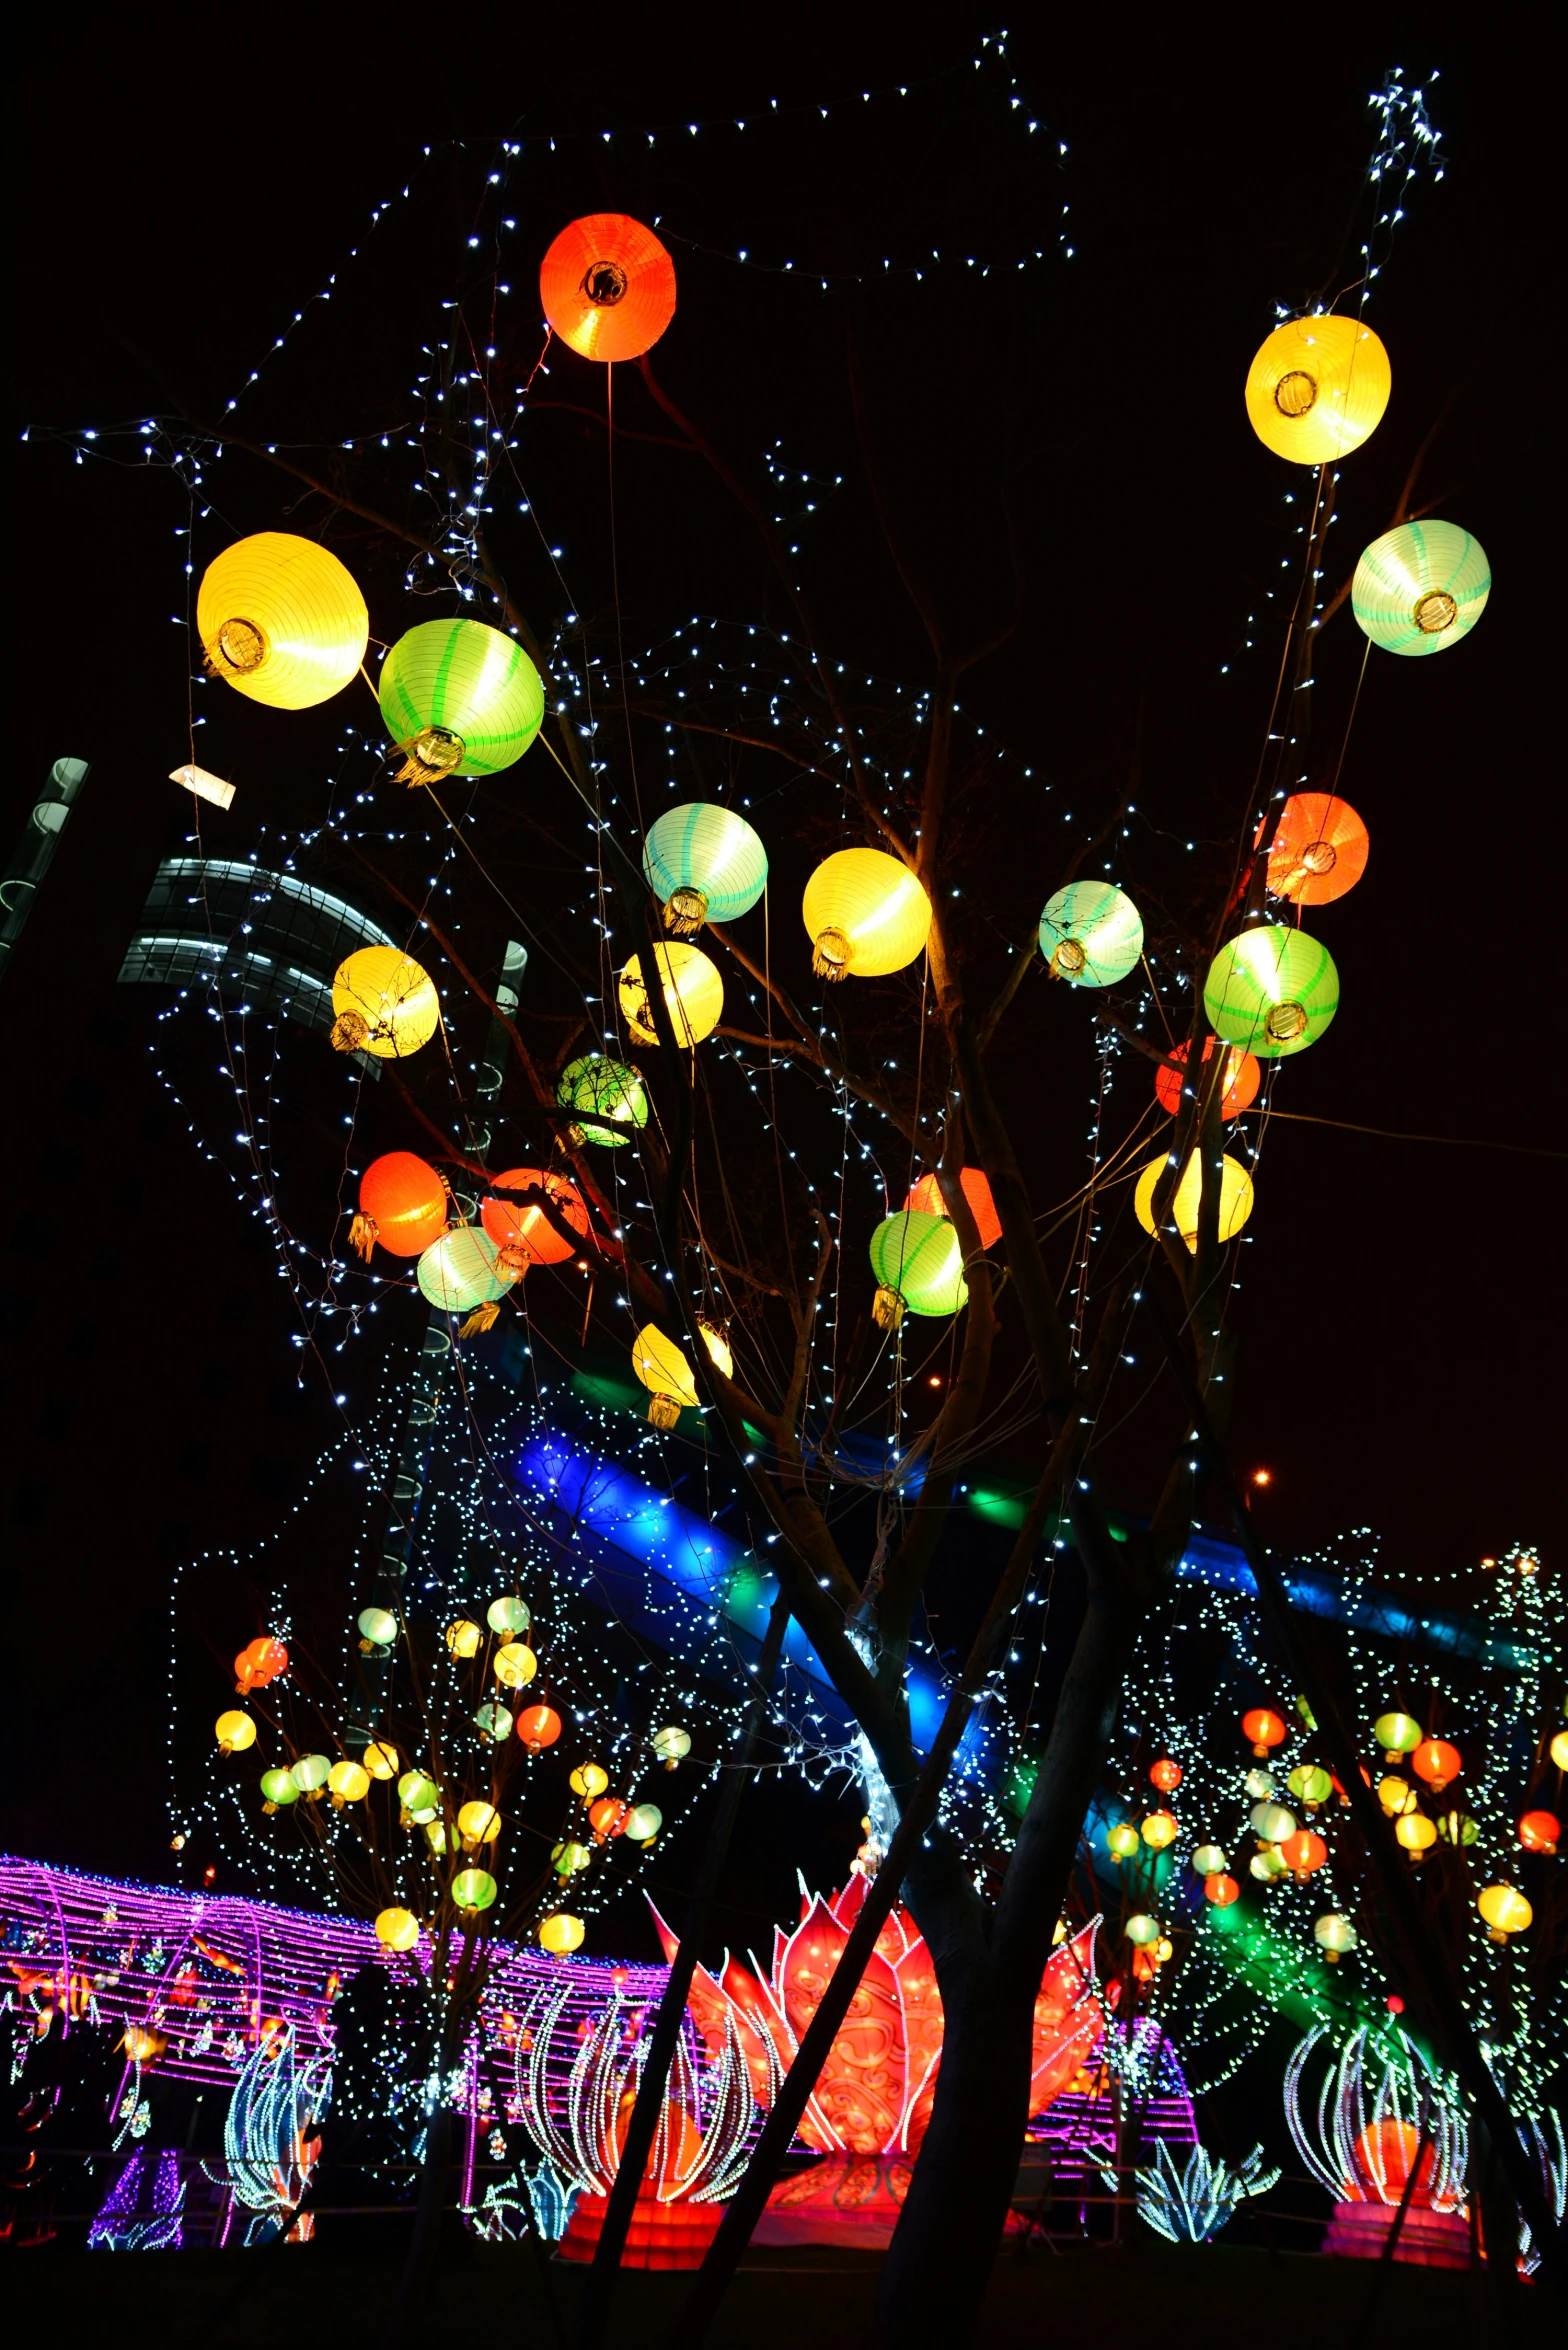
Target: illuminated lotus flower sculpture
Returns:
[[1376, 2113], [872, 2102]]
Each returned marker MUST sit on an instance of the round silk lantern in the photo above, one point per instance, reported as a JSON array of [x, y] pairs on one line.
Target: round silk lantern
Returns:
[[1397, 1733], [1438, 1763], [384, 1004], [402, 1204], [865, 913], [1319, 849], [919, 1265], [463, 1637], [1539, 1831], [1235, 1198], [473, 1890], [1420, 587], [397, 1929], [1272, 990], [508, 1617], [462, 1270], [704, 864], [459, 698], [1209, 1860], [380, 1759], [278, 1788], [1505, 1911], [478, 1823], [235, 1731], [588, 1780], [643, 1823], [514, 1664], [419, 1796], [927, 1198], [611, 1091], [1264, 1727], [1335, 1935], [1240, 1081], [561, 1934], [1121, 1842], [1318, 388], [282, 621], [693, 995], [520, 1228], [349, 1782], [538, 1726], [1091, 933], [665, 1372], [607, 287], [377, 1629], [671, 1744]]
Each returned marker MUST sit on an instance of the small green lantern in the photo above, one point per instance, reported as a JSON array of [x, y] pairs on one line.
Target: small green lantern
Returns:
[[473, 1890], [1272, 1823], [1267, 1866], [919, 1264], [419, 1796], [611, 1091], [1398, 1734], [1310, 1784], [1457, 1828], [1271, 990], [1141, 1930], [494, 1721], [278, 1789], [1420, 587], [310, 1773], [1122, 1841], [377, 1629], [567, 1859], [508, 1617], [1091, 933], [1209, 1861], [460, 699], [704, 864], [1335, 1935]]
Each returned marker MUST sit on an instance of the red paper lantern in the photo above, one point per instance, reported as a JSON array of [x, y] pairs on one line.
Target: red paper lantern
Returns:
[[608, 1817], [1539, 1831], [1240, 1082], [927, 1198], [1265, 1728], [1303, 1852], [1319, 849], [538, 1726], [259, 1662], [1436, 1762], [608, 286], [1221, 1890], [402, 1204], [1166, 1774], [521, 1226]]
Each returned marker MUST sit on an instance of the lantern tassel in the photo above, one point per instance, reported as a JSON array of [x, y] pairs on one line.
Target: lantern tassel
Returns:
[[363, 1234], [480, 1319], [686, 910], [887, 1310], [830, 955], [349, 1032], [663, 1411]]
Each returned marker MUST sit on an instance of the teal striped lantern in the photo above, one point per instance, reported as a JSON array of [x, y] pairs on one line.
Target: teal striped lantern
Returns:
[[919, 1265], [461, 1270], [1272, 991], [1091, 933], [1421, 587], [460, 699], [610, 1090], [704, 864]]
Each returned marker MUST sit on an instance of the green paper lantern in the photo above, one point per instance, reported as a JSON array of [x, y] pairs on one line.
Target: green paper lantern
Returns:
[[1091, 933], [509, 1617], [460, 698], [378, 1627], [310, 1773], [1397, 1733], [1271, 990], [494, 1721], [473, 1889], [704, 864], [462, 1270], [1421, 587], [1310, 1784], [1141, 1930], [608, 1089], [278, 1787], [419, 1796], [919, 1264]]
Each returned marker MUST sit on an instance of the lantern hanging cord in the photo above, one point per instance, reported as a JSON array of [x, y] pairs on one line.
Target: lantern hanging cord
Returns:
[[1470, 1142]]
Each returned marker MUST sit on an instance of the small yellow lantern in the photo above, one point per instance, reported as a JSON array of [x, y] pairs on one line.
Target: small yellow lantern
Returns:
[[515, 1664], [671, 1745], [693, 995], [1335, 1935], [1397, 1796], [718, 1346], [383, 1004], [347, 1782], [1235, 1198], [1159, 1830], [1122, 1840], [1505, 1911], [281, 621], [380, 1759], [1318, 388], [865, 913], [589, 1781], [561, 1934], [1558, 1750], [478, 1823], [236, 1731], [463, 1637], [665, 1372], [1416, 1833], [397, 1929]]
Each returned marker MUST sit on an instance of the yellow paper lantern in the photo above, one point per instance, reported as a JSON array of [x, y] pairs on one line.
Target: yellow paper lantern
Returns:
[[865, 913], [1159, 1830], [1415, 1832], [589, 1780], [1397, 1796], [397, 1929], [1558, 1750], [560, 1934], [671, 1745], [463, 1637], [1235, 1198], [693, 995], [1318, 388], [515, 1664], [384, 1004], [281, 621], [1505, 1911], [478, 1823], [348, 1782], [718, 1346], [1122, 1841], [380, 1759], [665, 1372], [235, 1731]]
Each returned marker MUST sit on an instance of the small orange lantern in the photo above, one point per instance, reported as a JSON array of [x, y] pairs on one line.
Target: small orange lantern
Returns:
[[1539, 1831], [259, 1662], [403, 1204], [521, 1230], [1166, 1775], [1303, 1852], [608, 1817], [1221, 1890], [1436, 1762], [1240, 1082], [608, 286], [926, 1198], [538, 1726], [1265, 1728], [1319, 849]]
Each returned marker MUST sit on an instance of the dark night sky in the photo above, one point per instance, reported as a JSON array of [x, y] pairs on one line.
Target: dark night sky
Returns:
[[1401, 1314]]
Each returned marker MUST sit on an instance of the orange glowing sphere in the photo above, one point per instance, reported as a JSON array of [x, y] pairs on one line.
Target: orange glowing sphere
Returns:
[[927, 1198], [608, 286], [406, 1202], [1240, 1082], [1303, 1852], [1436, 1762], [520, 1228], [1221, 1890], [1539, 1831], [538, 1726], [1383, 2155], [1319, 849], [1166, 1775], [608, 1817], [1264, 1727]]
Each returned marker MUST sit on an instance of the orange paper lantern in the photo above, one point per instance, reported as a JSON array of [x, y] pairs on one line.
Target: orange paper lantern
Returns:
[[1303, 1852], [608, 286], [1539, 1831], [1221, 1890], [1436, 1762], [520, 1228], [259, 1662], [608, 1817], [1264, 1727], [1241, 1080], [1319, 850], [927, 1198], [538, 1726], [402, 1204], [1166, 1774]]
